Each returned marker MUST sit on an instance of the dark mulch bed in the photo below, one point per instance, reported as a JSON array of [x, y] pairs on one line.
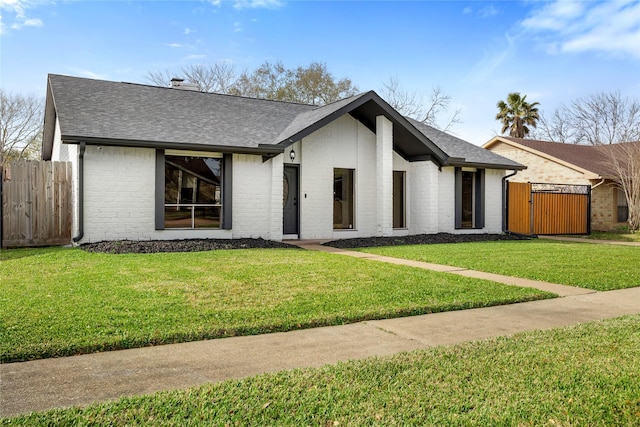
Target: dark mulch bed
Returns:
[[191, 245], [420, 239]]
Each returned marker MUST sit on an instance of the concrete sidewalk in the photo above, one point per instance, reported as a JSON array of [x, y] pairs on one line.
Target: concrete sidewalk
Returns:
[[81, 380]]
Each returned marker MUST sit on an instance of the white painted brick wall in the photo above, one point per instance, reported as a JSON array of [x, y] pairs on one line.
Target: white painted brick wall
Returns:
[[253, 191], [384, 176], [119, 197], [344, 143], [422, 198], [493, 202]]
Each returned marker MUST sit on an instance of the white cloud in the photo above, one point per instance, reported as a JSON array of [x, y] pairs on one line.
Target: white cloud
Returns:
[[18, 8], [196, 56], [174, 45], [467, 10], [237, 27], [188, 31], [487, 11], [611, 27], [257, 4]]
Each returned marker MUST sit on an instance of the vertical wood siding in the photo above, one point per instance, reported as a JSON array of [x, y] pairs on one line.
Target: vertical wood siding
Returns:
[[36, 204], [539, 213], [519, 208]]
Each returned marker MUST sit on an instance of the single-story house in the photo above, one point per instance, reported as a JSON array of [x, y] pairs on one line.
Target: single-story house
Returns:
[[558, 163], [169, 163]]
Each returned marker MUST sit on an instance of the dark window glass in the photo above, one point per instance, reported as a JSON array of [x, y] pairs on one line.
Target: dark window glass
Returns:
[[343, 199], [398, 199], [192, 194]]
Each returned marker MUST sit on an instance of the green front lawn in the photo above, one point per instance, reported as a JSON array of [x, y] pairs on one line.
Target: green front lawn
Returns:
[[599, 267], [620, 236], [58, 302], [585, 375]]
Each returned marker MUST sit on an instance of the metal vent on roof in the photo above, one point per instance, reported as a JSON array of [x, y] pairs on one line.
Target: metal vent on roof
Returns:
[[177, 83]]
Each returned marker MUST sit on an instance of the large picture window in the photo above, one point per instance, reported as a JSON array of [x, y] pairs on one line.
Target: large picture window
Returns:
[[343, 199], [192, 192], [469, 198]]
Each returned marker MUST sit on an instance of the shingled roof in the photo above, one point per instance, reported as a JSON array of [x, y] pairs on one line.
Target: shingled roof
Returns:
[[588, 157], [128, 114]]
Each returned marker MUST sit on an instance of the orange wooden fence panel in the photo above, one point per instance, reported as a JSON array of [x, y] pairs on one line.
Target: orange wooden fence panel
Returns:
[[519, 208], [560, 213]]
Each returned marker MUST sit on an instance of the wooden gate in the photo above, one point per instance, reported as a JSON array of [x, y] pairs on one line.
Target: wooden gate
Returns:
[[36, 204], [534, 209]]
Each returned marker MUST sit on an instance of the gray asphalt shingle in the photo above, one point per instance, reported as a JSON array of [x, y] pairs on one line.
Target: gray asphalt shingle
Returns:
[[135, 113]]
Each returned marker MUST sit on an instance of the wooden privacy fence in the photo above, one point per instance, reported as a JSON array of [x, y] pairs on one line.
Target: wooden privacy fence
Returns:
[[535, 209], [36, 204]]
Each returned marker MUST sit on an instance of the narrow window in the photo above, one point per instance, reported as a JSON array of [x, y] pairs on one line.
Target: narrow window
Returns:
[[192, 192], [469, 198], [343, 199], [623, 206], [398, 199]]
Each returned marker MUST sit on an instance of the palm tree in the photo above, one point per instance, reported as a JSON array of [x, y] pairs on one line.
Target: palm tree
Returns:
[[517, 114]]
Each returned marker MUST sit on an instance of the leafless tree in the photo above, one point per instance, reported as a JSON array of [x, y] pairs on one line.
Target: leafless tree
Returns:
[[313, 84], [219, 77], [624, 161], [21, 123], [427, 109], [599, 118]]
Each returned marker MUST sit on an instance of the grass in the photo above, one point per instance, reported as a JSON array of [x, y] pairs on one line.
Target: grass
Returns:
[[599, 267], [582, 375], [620, 236], [59, 302]]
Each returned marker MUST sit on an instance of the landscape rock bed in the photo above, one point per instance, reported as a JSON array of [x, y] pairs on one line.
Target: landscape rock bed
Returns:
[[420, 239], [194, 245], [190, 245]]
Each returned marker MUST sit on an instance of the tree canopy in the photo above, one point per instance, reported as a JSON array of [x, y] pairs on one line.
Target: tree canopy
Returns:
[[517, 115], [313, 84]]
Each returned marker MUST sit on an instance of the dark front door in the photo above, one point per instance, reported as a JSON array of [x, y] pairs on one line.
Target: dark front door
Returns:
[[290, 200]]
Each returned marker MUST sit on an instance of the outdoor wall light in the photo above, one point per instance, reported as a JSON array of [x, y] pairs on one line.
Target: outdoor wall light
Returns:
[[292, 155]]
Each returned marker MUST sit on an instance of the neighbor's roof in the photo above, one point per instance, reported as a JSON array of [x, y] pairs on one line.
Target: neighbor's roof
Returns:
[[128, 114], [587, 157]]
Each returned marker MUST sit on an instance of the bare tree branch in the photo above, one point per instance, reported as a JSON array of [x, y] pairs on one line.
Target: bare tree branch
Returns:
[[623, 159], [599, 118], [426, 109], [21, 123]]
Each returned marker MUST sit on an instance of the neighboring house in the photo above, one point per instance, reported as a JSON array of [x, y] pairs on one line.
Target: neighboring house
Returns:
[[558, 163], [169, 163]]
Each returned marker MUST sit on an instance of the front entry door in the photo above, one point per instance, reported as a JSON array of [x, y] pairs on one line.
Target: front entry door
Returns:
[[290, 200]]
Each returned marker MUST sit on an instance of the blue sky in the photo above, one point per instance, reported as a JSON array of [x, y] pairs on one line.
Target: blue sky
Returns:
[[475, 51]]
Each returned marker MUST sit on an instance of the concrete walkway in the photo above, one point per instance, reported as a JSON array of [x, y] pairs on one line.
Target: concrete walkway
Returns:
[[81, 380], [560, 290]]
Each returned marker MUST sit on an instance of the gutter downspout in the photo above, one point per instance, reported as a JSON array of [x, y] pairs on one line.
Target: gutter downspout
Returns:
[[598, 184], [80, 235], [505, 202]]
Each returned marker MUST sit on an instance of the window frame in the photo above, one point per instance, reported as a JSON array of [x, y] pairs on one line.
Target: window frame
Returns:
[[352, 199], [225, 189], [403, 202], [478, 198]]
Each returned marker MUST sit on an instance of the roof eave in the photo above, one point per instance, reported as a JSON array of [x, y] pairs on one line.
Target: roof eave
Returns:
[[170, 145]]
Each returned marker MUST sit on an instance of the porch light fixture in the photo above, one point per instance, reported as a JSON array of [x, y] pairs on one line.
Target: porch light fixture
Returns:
[[292, 155]]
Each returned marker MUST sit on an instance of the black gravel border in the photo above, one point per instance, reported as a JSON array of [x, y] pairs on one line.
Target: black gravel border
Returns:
[[420, 239], [189, 245], [195, 245]]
